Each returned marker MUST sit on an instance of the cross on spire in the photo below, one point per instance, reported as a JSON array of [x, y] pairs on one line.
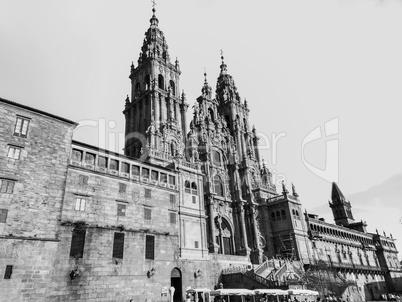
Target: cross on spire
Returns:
[[153, 4]]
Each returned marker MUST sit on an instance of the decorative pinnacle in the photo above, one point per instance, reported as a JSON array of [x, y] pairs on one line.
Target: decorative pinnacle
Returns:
[[153, 6], [205, 76], [222, 58]]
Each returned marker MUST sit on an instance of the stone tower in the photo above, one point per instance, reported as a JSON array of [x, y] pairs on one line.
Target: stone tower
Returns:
[[155, 115], [221, 141], [341, 208]]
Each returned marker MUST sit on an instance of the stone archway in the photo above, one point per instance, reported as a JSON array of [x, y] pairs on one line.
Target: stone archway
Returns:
[[176, 282]]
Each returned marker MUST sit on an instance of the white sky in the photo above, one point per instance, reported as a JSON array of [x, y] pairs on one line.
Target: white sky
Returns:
[[299, 63]]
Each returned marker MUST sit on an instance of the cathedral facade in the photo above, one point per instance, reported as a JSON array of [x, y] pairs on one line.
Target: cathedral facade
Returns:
[[189, 204]]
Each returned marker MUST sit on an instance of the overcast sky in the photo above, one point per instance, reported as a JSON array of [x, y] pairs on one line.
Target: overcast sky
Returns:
[[299, 64]]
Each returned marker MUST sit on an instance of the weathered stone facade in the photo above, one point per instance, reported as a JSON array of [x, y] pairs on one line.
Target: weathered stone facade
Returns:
[[180, 208]]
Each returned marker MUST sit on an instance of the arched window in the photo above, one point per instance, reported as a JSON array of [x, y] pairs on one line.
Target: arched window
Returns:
[[187, 187], [218, 186], [137, 87], [147, 82], [172, 87], [193, 188], [161, 82], [283, 214], [293, 212], [224, 237], [211, 114], [216, 158], [273, 216]]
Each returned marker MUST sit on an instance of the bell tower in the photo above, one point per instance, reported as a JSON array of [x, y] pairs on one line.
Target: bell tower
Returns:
[[341, 208], [156, 113]]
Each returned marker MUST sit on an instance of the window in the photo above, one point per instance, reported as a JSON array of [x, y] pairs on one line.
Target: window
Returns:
[[218, 185], [163, 178], [114, 164], [102, 162], [122, 188], [118, 245], [147, 213], [194, 199], [161, 81], [172, 200], [77, 243], [196, 244], [7, 186], [187, 187], [83, 180], [193, 188], [147, 193], [172, 87], [145, 173], [121, 209], [278, 215], [216, 158], [90, 158], [3, 215], [125, 168], [77, 155], [172, 180], [154, 175], [149, 247], [8, 272], [135, 170], [80, 204], [273, 217], [21, 126], [14, 152], [172, 218], [283, 214]]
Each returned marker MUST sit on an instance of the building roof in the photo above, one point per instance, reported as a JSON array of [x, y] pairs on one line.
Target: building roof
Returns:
[[12, 103], [336, 193]]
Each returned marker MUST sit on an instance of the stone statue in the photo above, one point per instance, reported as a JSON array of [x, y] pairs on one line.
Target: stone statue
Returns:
[[171, 290]]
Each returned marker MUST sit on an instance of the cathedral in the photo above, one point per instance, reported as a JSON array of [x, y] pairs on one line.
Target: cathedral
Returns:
[[189, 205]]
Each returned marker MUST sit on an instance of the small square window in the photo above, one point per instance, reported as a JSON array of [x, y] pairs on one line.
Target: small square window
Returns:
[[90, 158], [102, 162], [194, 199], [83, 180], [114, 164], [121, 209], [163, 178], [154, 175], [145, 173], [173, 218], [172, 200], [125, 168], [147, 193], [14, 152], [8, 272], [77, 155], [172, 180], [147, 213], [3, 215], [135, 170], [80, 204], [122, 188], [7, 186], [21, 126]]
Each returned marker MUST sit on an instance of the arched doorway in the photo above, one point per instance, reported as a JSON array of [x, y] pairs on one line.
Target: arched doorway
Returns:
[[175, 281]]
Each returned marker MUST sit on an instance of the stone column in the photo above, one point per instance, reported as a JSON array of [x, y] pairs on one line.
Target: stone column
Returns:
[[213, 248], [245, 250], [156, 111], [256, 235], [178, 117]]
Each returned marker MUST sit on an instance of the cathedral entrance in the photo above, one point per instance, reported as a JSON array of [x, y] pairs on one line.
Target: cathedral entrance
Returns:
[[175, 281]]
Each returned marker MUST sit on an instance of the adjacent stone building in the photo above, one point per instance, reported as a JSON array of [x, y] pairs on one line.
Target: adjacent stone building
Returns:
[[183, 207]]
